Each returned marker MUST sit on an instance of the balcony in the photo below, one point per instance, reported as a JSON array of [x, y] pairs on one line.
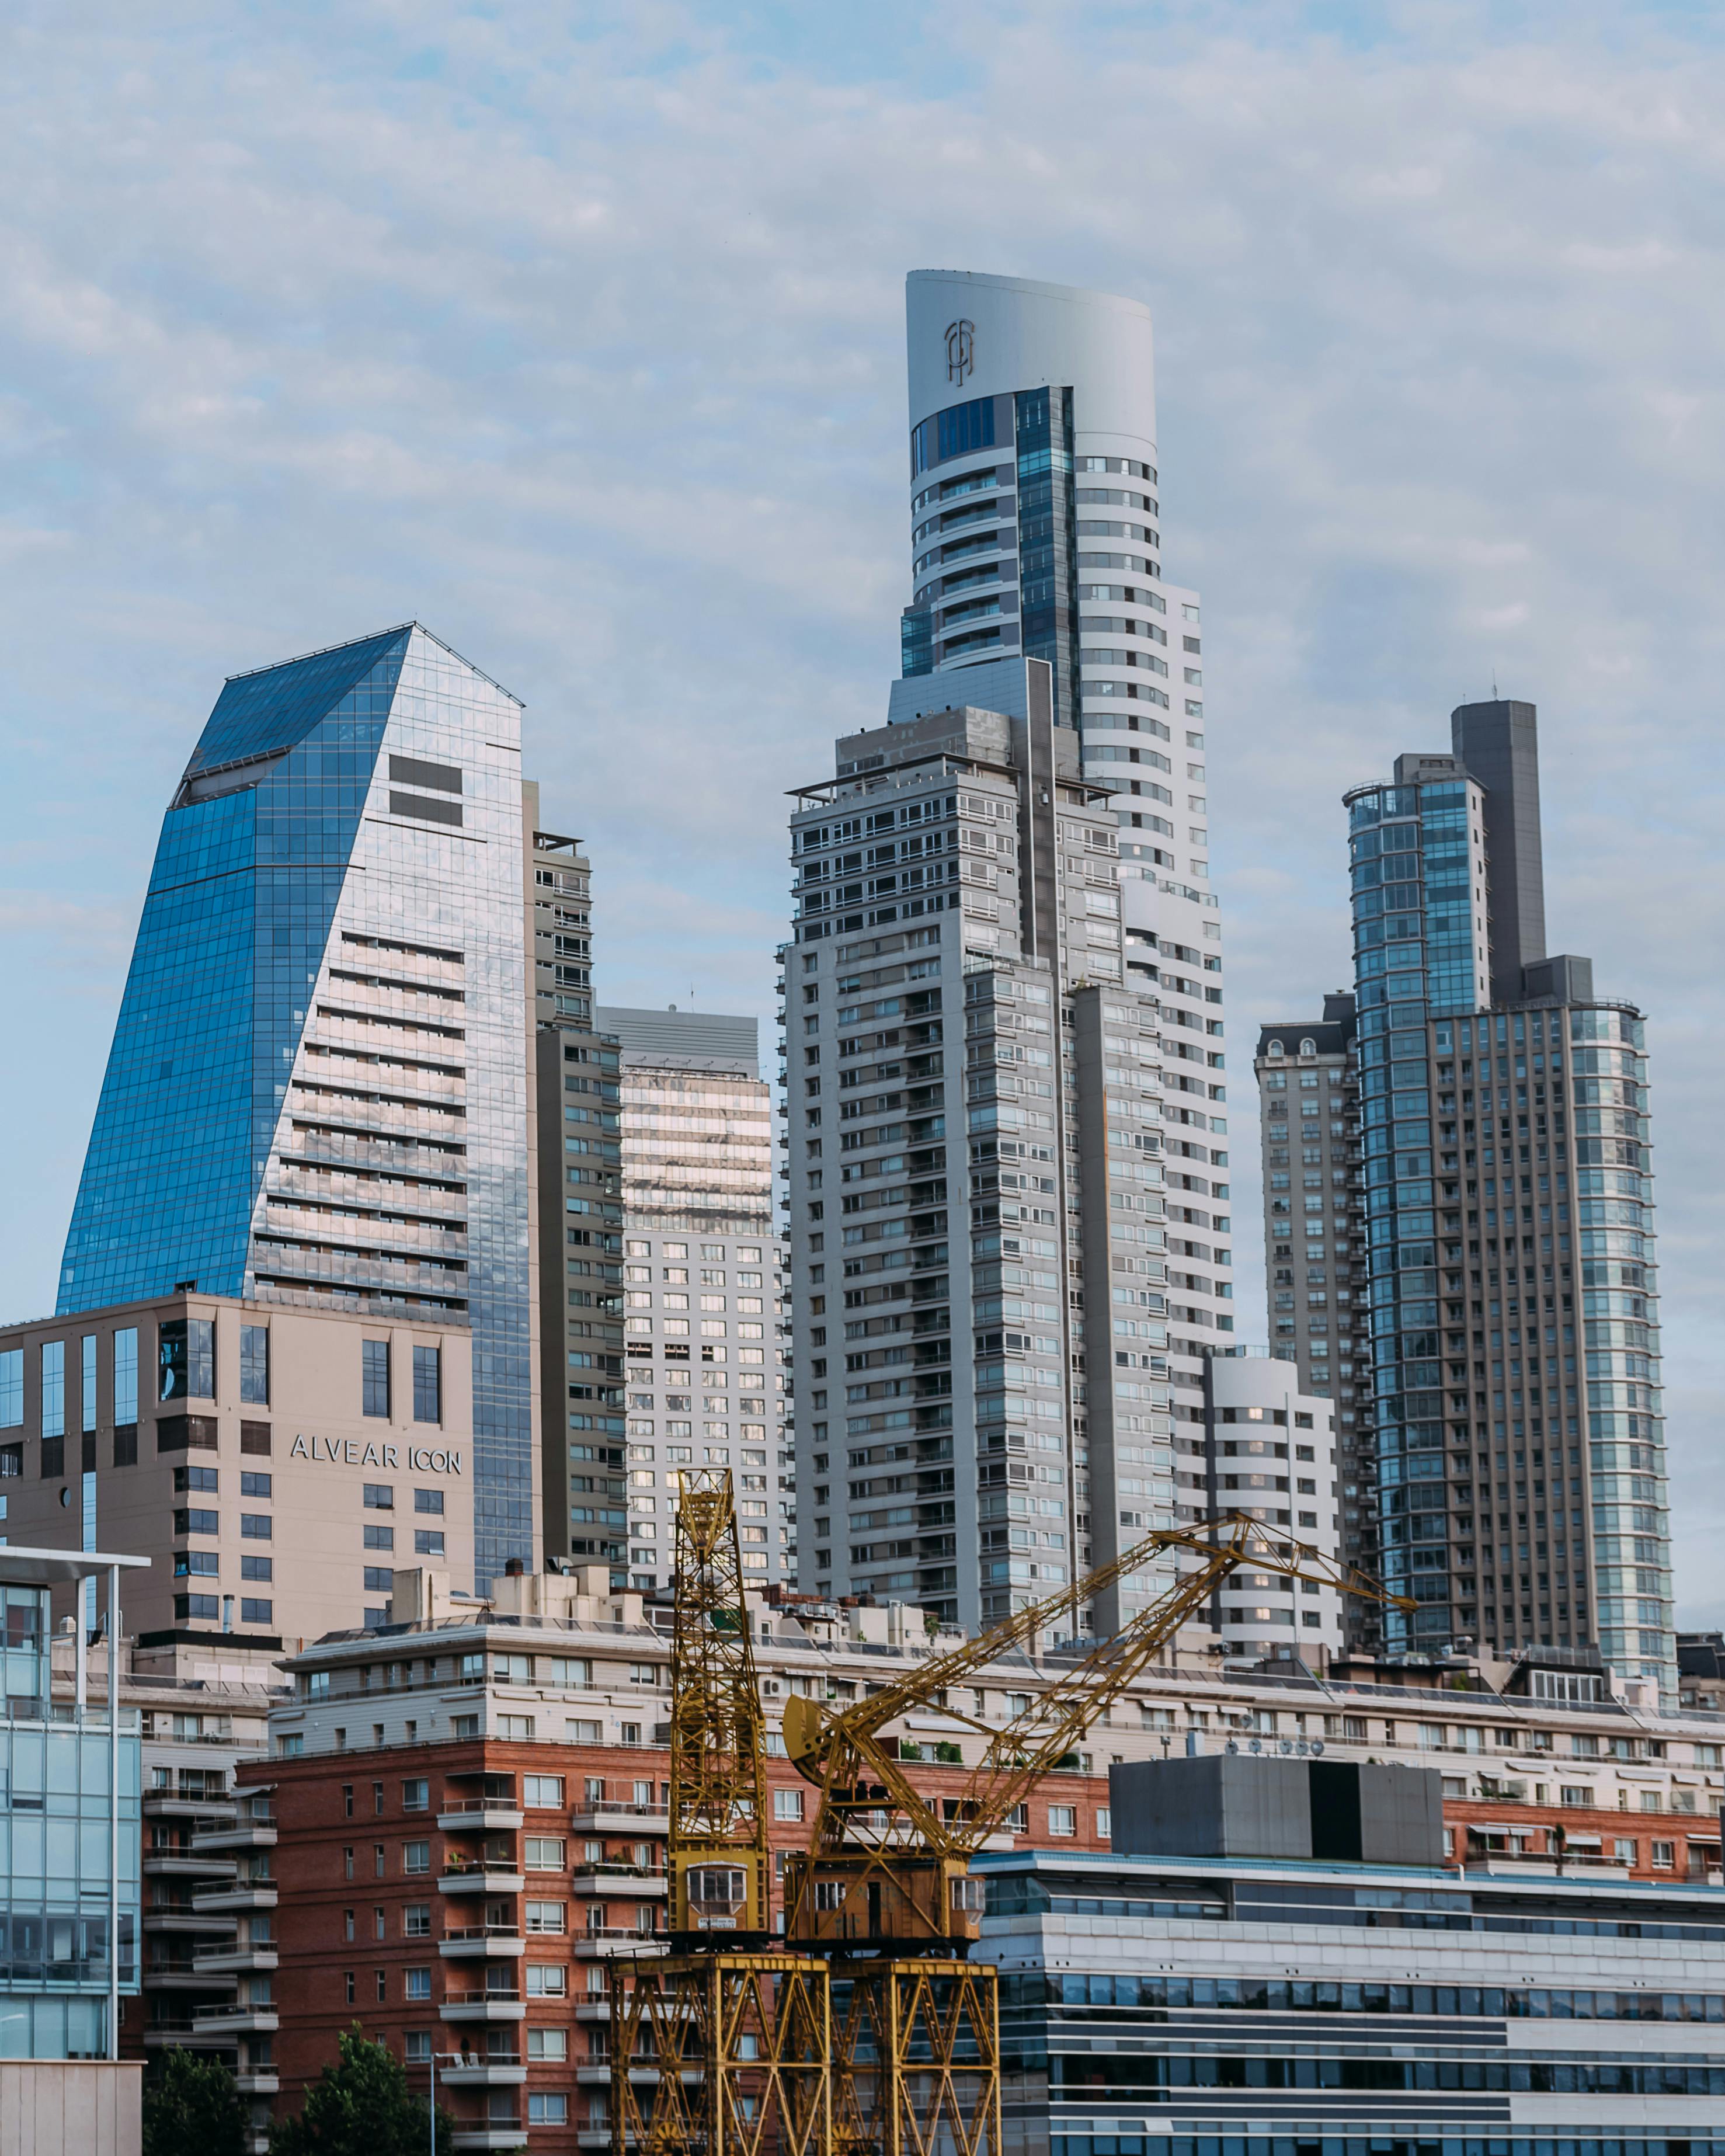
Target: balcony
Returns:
[[493, 2071], [482, 1940], [483, 2005], [481, 1879], [237, 2018], [179, 1916], [233, 1834], [241, 1894], [596, 1945], [264, 2081], [494, 2133], [183, 1864], [174, 1803], [193, 1975], [480, 1814], [617, 1879], [236, 1960], [591, 1818]]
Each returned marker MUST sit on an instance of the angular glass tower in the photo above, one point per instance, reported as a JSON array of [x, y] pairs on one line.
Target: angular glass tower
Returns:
[[317, 1092]]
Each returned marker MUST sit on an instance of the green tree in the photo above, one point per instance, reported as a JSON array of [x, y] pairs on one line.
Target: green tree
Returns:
[[362, 2106], [191, 2107]]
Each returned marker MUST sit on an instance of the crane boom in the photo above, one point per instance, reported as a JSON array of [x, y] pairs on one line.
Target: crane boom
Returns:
[[883, 1861]]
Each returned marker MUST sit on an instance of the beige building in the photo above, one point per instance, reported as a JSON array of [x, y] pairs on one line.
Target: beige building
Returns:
[[273, 1464]]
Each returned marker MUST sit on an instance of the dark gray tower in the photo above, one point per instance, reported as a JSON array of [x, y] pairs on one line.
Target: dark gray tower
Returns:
[[1498, 743]]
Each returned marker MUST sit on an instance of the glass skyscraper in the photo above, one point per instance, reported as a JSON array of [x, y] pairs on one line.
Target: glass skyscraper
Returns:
[[317, 1092], [1509, 1220]]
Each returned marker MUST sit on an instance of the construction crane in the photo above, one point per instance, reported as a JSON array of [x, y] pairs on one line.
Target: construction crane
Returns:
[[884, 1885], [719, 2048]]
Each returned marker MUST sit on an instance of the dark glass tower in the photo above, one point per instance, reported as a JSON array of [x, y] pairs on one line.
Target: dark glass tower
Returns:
[[1509, 1219], [317, 1089]]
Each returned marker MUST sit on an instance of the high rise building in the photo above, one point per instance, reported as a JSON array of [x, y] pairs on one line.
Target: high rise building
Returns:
[[1315, 1252], [703, 1281], [1036, 527], [578, 1141], [1509, 1227], [315, 1093], [989, 1314]]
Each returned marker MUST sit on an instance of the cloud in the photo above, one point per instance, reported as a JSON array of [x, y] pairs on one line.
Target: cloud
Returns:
[[579, 337]]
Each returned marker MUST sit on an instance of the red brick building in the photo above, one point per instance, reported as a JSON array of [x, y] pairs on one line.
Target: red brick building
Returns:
[[463, 1899]]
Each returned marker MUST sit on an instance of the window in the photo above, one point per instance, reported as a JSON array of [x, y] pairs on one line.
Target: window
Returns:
[[548, 1916], [255, 1486], [417, 2047], [348, 1985], [1105, 1825], [427, 1384], [257, 1567], [515, 1728], [787, 1804], [256, 1528], [1665, 1855], [416, 1983], [125, 1379], [379, 1497], [415, 1796], [374, 1378], [428, 1542], [545, 1852], [415, 1856], [548, 2107], [429, 1501], [547, 1979], [582, 1732], [382, 1980], [254, 1365], [54, 1388], [349, 1926], [380, 1579], [547, 2043], [12, 1387], [416, 1920], [196, 1563], [380, 1538], [543, 1792], [1573, 1793], [379, 1855], [1062, 1818], [254, 1611]]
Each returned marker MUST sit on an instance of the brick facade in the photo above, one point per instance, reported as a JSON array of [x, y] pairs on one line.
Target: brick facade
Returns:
[[375, 1859]]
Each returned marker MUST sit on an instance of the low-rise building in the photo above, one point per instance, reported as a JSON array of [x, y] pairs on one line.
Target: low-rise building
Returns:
[[69, 1886], [1249, 2002]]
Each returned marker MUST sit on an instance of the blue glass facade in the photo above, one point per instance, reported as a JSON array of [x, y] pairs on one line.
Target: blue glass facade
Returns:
[[317, 1089], [1510, 1276], [54, 1908], [1420, 944]]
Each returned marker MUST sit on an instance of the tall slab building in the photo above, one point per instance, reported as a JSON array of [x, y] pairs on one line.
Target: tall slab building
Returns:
[[1509, 1260], [702, 1280], [317, 1093], [1081, 1207]]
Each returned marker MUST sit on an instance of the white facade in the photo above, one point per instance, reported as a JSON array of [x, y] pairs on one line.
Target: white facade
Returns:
[[1272, 1453]]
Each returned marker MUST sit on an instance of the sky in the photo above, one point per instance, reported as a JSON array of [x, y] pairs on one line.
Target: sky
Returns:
[[576, 332]]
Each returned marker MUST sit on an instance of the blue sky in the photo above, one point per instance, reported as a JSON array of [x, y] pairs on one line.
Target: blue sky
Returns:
[[577, 333]]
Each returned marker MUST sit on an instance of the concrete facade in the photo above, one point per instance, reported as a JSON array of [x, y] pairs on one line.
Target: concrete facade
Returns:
[[273, 1465]]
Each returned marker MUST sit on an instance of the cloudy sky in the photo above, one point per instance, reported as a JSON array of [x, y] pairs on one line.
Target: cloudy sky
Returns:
[[576, 332]]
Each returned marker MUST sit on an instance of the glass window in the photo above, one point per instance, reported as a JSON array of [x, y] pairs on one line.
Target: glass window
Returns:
[[87, 1397], [186, 1358], [254, 1365], [428, 1542], [126, 1377], [429, 1501], [374, 1378], [54, 1388], [427, 1384], [11, 1388], [254, 1611], [379, 1496], [417, 1984]]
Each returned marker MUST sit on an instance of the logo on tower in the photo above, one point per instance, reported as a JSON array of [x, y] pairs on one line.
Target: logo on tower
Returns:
[[961, 350]]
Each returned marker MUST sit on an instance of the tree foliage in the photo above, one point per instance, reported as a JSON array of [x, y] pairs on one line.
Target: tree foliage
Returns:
[[191, 2107], [362, 2106]]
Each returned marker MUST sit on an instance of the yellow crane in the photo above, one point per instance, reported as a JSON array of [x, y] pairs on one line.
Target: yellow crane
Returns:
[[720, 2047], [885, 1886]]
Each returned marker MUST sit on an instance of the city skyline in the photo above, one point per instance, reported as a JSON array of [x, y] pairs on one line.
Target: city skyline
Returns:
[[1381, 504]]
